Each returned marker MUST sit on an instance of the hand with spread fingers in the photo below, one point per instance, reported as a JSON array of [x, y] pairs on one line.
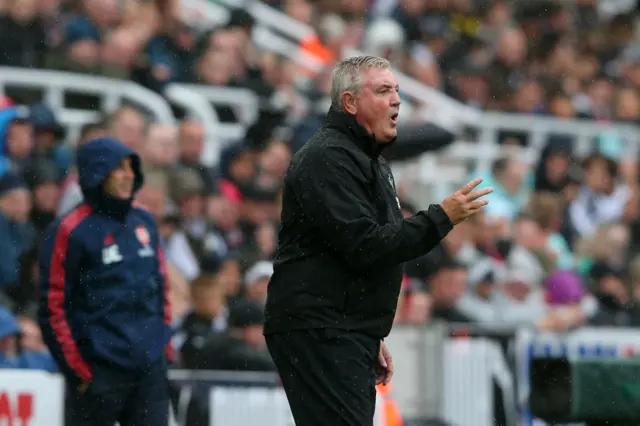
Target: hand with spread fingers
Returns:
[[465, 202]]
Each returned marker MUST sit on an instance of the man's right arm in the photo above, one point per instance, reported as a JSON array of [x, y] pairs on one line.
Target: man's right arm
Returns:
[[335, 195], [60, 257]]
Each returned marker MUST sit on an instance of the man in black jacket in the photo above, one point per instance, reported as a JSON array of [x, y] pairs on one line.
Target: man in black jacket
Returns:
[[338, 267]]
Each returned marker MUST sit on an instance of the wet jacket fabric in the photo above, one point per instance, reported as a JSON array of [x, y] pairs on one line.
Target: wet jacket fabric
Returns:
[[343, 239]]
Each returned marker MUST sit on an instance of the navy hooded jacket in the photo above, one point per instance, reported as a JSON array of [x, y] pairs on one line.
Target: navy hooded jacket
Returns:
[[104, 290]]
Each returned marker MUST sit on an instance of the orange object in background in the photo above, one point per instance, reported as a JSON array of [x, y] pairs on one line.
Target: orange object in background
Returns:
[[390, 415], [311, 47]]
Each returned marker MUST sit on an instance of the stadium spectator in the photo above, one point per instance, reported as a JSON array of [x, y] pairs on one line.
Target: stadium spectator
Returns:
[[17, 235], [103, 275]]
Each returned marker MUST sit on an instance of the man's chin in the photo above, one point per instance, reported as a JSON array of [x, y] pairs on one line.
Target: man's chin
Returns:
[[388, 137]]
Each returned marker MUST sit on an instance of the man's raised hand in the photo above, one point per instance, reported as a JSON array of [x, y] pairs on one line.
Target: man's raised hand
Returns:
[[465, 202]]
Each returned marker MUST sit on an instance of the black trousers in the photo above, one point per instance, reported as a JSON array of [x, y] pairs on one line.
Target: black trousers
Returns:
[[130, 398], [328, 375]]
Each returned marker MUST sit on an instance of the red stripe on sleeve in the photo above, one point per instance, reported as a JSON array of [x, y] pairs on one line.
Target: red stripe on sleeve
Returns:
[[55, 299], [167, 289]]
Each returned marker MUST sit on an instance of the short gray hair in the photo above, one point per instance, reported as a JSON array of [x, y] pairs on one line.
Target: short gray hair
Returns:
[[347, 75]]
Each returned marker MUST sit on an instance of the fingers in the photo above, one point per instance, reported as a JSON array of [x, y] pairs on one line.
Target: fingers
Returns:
[[382, 360], [477, 205], [469, 187], [479, 193]]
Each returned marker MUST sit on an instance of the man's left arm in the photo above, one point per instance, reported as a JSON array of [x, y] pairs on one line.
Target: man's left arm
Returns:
[[163, 278]]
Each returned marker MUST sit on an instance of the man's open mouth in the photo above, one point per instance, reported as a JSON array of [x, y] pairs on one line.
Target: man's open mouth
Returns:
[[394, 117]]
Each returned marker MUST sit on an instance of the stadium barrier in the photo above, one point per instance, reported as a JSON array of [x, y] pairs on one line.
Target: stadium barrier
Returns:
[[464, 376]]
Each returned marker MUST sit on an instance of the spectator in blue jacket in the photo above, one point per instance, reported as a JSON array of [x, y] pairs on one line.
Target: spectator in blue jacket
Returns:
[[104, 308], [13, 354], [17, 236]]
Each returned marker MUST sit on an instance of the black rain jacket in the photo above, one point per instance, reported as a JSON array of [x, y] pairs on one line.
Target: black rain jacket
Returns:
[[343, 240]]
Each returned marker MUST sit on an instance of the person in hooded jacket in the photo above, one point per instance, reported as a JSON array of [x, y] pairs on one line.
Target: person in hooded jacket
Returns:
[[343, 242], [103, 306]]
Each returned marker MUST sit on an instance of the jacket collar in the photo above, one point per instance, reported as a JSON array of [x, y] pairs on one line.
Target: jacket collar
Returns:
[[347, 124]]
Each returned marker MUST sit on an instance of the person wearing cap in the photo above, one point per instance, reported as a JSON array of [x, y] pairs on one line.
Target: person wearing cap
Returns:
[[48, 134], [104, 296], [17, 235], [241, 347], [256, 281]]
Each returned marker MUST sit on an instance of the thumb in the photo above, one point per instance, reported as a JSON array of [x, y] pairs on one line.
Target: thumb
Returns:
[[383, 362]]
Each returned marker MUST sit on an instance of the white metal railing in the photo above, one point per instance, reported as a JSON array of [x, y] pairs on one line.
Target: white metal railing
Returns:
[[199, 108], [204, 14], [112, 93], [440, 109]]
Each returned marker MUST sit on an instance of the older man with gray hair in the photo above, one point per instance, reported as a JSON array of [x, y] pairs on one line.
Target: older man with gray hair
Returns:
[[338, 267]]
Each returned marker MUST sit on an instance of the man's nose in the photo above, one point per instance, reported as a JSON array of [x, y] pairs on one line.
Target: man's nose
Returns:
[[395, 99]]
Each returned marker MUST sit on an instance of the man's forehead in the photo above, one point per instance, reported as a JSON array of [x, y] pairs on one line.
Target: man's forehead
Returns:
[[379, 77]]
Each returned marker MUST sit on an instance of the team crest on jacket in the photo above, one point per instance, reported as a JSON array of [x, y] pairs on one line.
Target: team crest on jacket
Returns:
[[143, 236]]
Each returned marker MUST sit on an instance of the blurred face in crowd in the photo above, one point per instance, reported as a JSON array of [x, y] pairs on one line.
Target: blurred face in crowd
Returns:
[[266, 238], [16, 205], [103, 12], [276, 158], [614, 286], [377, 104], [257, 290], [300, 10], [512, 47], [528, 97], [417, 310], [44, 140], [253, 336], [153, 199], [20, 140], [191, 141], [448, 285], [161, 147], [617, 241], [517, 289], [191, 206], [627, 106], [527, 233], [120, 49], [92, 133], [223, 213], [208, 297], [119, 183], [46, 196], [561, 107], [31, 337], [511, 177], [129, 127], [25, 10], [216, 68], [8, 346], [230, 277], [556, 166], [242, 168], [597, 176], [601, 94]]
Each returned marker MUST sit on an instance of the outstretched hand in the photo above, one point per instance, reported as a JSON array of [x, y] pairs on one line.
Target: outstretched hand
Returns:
[[465, 202]]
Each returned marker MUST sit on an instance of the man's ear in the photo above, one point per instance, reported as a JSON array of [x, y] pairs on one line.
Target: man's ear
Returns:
[[349, 103]]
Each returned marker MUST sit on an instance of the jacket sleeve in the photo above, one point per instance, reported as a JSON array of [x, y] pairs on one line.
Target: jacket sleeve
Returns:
[[163, 276], [60, 259], [335, 195]]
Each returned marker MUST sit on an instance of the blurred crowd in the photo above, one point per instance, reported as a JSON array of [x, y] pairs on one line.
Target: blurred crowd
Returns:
[[556, 248]]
